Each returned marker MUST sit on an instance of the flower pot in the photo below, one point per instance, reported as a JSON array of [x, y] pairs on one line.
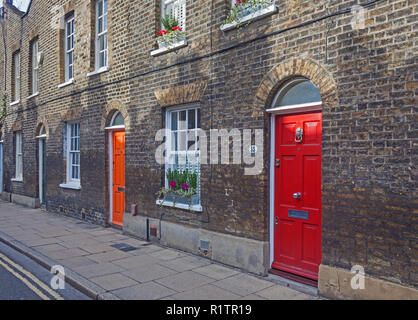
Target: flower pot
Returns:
[[190, 200], [168, 42]]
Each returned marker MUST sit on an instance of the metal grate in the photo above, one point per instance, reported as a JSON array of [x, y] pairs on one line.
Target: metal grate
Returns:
[[124, 247]]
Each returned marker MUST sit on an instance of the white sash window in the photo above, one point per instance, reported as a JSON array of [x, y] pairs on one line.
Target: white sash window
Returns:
[[16, 61], [19, 157], [101, 34], [35, 67], [69, 48]]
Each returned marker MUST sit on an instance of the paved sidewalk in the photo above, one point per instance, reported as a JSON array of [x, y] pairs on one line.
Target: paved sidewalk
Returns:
[[95, 260]]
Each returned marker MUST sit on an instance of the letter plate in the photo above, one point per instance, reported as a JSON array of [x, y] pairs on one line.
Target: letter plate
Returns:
[[121, 189], [298, 214]]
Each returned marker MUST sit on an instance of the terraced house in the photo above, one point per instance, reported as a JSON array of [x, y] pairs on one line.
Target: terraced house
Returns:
[[317, 100]]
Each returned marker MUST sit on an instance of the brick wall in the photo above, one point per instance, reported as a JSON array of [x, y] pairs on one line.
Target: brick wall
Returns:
[[369, 131]]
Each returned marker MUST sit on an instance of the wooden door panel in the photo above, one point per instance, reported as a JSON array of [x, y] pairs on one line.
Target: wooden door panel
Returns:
[[118, 196], [297, 235]]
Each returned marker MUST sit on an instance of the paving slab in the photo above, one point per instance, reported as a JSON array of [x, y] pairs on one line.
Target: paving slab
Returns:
[[114, 281], [184, 281], [216, 271], [146, 291], [167, 254], [185, 264], [99, 269], [109, 256], [148, 273], [76, 262], [243, 284], [66, 254], [206, 292], [282, 293], [136, 261]]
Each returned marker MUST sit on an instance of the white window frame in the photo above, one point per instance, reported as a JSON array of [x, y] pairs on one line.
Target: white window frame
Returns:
[[72, 183], [165, 3], [69, 36], [19, 156], [169, 151], [103, 34], [35, 66], [16, 61]]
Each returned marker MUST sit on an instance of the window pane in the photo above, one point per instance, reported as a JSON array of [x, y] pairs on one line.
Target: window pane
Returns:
[[118, 120], [192, 119], [182, 120], [174, 121], [100, 8], [100, 25], [298, 92]]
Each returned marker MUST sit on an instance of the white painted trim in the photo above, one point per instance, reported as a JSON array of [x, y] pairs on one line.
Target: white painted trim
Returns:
[[176, 46], [40, 169], [115, 128], [71, 81], [110, 134], [98, 71], [33, 95], [1, 166], [197, 208], [73, 186], [41, 137], [14, 103], [297, 108], [16, 180], [272, 185], [270, 10]]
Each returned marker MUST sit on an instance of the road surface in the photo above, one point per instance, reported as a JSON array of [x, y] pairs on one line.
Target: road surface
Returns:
[[23, 279]]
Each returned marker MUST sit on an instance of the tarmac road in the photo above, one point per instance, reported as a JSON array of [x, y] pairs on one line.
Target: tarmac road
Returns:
[[23, 279]]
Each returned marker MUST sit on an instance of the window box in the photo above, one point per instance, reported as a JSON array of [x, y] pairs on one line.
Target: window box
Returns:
[[196, 208], [176, 198], [169, 46], [244, 14]]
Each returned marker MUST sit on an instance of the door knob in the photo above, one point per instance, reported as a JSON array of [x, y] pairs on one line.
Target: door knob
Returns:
[[297, 195], [276, 221]]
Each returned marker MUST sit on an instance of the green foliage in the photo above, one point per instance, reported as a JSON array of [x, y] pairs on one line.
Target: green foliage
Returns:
[[3, 108], [239, 10], [179, 177], [182, 176], [169, 22]]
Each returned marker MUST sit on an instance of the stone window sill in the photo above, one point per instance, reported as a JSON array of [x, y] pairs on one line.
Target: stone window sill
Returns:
[[72, 186], [176, 46], [33, 95], [98, 71], [71, 81], [268, 11], [17, 180], [197, 208], [14, 103]]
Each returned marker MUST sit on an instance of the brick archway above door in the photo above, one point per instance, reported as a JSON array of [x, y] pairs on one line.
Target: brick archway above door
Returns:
[[111, 108], [291, 68]]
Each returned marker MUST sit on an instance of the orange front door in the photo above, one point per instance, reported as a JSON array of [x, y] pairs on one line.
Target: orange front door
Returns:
[[118, 177]]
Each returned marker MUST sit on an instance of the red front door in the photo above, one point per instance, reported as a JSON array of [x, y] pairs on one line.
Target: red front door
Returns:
[[118, 178], [297, 217]]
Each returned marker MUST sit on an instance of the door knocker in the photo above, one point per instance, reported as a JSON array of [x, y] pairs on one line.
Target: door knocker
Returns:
[[299, 135]]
